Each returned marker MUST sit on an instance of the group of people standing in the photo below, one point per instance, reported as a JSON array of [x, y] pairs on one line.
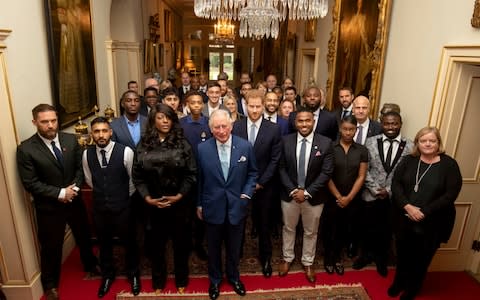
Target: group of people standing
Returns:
[[181, 159]]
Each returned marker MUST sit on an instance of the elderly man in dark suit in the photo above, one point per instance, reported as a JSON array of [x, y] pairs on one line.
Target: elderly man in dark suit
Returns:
[[324, 121], [50, 167], [227, 175], [305, 169], [266, 141]]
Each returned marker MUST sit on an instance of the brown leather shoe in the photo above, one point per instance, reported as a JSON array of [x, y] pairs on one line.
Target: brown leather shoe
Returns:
[[309, 273], [283, 268], [52, 294]]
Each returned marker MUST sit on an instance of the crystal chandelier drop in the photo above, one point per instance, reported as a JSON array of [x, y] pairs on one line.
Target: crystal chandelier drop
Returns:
[[260, 18]]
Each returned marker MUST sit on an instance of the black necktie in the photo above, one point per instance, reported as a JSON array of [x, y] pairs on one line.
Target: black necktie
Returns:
[[344, 113], [388, 160], [104, 158], [58, 153], [301, 164]]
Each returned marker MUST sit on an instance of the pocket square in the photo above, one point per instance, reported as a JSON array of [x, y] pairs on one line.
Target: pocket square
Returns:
[[317, 153], [242, 159]]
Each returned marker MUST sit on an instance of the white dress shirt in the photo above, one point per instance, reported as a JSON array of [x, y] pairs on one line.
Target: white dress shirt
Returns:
[[396, 144], [48, 143], [273, 117], [257, 127]]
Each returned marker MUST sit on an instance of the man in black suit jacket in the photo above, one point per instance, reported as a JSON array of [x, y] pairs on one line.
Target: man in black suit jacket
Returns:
[[345, 97], [185, 87], [50, 167], [305, 169], [366, 127], [324, 121], [265, 138]]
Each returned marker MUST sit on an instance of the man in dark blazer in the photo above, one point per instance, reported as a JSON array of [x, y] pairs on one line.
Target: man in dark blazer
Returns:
[[366, 127], [185, 87], [305, 169], [272, 102], [50, 167], [128, 128], [266, 141], [227, 175], [324, 121], [241, 101], [345, 97], [213, 103]]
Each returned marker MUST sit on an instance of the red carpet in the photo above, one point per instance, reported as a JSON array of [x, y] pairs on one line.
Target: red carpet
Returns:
[[438, 285]]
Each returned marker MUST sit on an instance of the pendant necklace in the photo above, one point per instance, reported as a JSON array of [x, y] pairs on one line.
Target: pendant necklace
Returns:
[[417, 180]]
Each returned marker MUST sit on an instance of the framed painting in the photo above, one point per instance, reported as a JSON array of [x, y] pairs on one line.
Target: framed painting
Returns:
[[72, 67], [356, 49], [167, 18]]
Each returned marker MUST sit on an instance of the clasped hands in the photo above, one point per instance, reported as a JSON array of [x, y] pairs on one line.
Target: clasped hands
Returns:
[[164, 201], [298, 195], [413, 212]]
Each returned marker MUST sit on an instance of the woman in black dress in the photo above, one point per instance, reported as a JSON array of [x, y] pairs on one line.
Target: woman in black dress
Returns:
[[164, 173], [351, 163], [425, 187]]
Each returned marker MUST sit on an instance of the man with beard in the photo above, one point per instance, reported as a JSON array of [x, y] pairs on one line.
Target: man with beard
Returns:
[[108, 171], [265, 139], [345, 97], [50, 167], [324, 121], [241, 102], [305, 169], [385, 152], [272, 102]]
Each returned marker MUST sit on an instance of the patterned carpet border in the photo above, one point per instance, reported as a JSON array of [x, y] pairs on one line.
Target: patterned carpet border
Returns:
[[321, 292]]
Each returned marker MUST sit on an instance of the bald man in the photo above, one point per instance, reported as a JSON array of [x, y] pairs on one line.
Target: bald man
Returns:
[[366, 127]]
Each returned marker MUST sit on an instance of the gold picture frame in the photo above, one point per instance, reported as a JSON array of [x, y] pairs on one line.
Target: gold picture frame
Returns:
[[476, 15], [310, 30], [356, 49]]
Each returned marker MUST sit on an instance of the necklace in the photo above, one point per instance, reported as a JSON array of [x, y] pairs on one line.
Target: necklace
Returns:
[[417, 180]]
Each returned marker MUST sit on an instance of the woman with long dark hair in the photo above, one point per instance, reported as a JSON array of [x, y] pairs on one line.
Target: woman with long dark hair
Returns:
[[164, 173]]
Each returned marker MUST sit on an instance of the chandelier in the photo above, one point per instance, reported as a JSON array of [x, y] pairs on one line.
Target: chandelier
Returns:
[[224, 32], [260, 18]]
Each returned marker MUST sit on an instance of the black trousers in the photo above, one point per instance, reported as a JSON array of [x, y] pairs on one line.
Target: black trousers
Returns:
[[51, 232], [232, 235], [376, 230], [334, 230], [262, 215], [169, 223], [120, 224], [415, 250]]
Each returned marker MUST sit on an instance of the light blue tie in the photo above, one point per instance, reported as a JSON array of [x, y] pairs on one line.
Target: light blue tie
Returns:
[[224, 161], [252, 134], [301, 164]]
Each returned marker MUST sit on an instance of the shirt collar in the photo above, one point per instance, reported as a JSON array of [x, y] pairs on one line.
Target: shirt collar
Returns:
[[257, 123], [398, 138], [228, 143], [49, 142], [309, 137], [272, 116], [132, 122], [107, 148], [365, 124]]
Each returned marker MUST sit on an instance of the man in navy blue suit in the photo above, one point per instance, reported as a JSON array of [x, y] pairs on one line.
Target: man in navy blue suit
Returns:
[[325, 122], [266, 141], [272, 102], [227, 179], [127, 129]]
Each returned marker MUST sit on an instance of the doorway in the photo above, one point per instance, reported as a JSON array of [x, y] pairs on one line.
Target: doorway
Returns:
[[221, 58], [455, 110]]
